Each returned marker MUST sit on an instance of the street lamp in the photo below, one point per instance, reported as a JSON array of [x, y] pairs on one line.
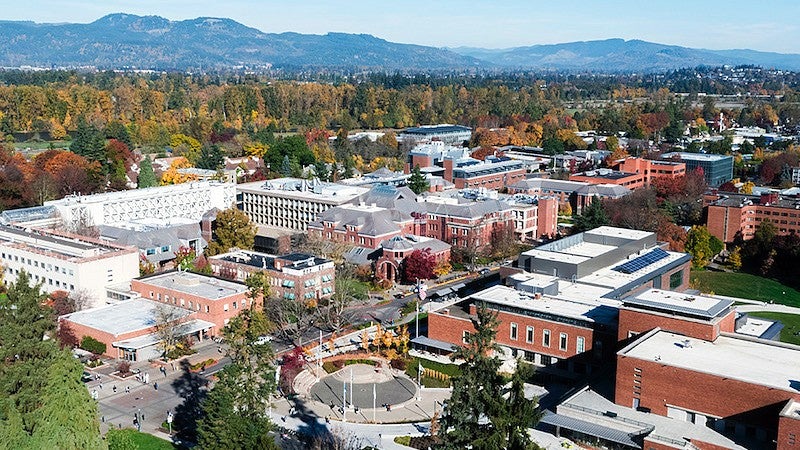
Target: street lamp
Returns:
[[169, 421]]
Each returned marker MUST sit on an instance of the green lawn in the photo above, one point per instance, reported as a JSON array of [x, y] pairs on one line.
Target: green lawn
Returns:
[[791, 324], [744, 285], [144, 441]]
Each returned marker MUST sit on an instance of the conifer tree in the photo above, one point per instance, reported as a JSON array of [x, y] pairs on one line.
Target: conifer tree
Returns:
[[147, 178], [417, 181]]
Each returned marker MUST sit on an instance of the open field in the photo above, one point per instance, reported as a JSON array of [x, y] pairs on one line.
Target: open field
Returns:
[[745, 285]]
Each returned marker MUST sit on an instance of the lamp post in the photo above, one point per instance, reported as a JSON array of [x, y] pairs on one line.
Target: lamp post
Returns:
[[169, 419], [419, 380]]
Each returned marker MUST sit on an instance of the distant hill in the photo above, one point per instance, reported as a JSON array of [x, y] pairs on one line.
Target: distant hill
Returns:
[[120, 41], [151, 42], [618, 55]]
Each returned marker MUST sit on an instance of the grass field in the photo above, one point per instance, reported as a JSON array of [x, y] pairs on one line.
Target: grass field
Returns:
[[144, 441], [745, 285], [791, 325]]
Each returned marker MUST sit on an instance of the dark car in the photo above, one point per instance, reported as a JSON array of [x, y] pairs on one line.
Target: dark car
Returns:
[[86, 377], [399, 295]]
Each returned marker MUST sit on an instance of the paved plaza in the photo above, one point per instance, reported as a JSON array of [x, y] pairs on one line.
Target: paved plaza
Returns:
[[359, 382]]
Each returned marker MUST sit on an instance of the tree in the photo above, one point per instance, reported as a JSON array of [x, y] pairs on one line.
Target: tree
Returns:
[[234, 417], [233, 229], [698, 244], [593, 216], [347, 289], [172, 176], [211, 157], [44, 403], [147, 178], [475, 396], [120, 440], [88, 142], [91, 344], [169, 330], [286, 166], [417, 181], [735, 258], [419, 265], [504, 241], [292, 317]]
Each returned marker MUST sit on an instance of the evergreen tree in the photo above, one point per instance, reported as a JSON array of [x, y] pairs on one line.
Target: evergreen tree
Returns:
[[593, 216], [286, 166], [116, 130], [89, 142], [417, 181], [147, 178], [43, 402], [321, 170], [235, 417], [211, 157], [476, 396]]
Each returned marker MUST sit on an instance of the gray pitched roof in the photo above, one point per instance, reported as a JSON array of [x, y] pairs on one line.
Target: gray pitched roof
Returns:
[[604, 190], [370, 221], [467, 210], [173, 236]]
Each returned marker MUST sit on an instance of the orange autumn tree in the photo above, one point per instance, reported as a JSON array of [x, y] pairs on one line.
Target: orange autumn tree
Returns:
[[172, 176]]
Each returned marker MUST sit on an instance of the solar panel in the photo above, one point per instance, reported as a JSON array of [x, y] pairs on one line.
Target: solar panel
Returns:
[[642, 261]]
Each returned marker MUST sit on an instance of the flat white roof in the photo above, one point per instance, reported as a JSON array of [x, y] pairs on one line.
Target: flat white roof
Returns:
[[590, 312], [211, 288], [695, 156], [755, 327], [625, 233], [556, 256], [123, 317], [589, 249], [753, 361], [700, 305], [304, 189]]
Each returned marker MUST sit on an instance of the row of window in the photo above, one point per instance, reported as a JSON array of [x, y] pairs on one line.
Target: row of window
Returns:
[[192, 305], [35, 263], [153, 250], [563, 338]]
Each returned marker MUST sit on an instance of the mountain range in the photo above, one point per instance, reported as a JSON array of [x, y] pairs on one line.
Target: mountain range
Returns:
[[120, 41]]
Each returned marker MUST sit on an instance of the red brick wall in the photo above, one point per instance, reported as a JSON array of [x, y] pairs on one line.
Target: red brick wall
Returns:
[[448, 328], [548, 217], [217, 314], [79, 331], [641, 321], [694, 391], [788, 427]]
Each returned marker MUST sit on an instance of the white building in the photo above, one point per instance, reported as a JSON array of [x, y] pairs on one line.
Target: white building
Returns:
[[187, 200], [67, 263], [291, 203]]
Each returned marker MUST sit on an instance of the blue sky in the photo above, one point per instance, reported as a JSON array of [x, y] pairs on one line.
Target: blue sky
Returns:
[[770, 25]]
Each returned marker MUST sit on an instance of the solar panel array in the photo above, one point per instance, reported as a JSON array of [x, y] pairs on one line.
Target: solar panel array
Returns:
[[642, 261]]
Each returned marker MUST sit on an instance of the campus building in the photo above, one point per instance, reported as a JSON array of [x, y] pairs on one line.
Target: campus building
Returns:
[[294, 276], [651, 169], [717, 169], [186, 200], [64, 262], [455, 165], [576, 194], [629, 180], [158, 241], [446, 133], [733, 215], [212, 299], [128, 329], [291, 203]]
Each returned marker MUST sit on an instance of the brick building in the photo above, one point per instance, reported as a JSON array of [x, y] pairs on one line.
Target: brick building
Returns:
[[733, 215], [607, 176], [294, 276], [573, 336], [577, 194], [650, 169], [455, 165], [212, 299], [128, 328]]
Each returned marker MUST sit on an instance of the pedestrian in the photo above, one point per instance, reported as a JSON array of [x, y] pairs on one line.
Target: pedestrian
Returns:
[[101, 386], [173, 366], [119, 426], [142, 417], [155, 385], [127, 389], [114, 388]]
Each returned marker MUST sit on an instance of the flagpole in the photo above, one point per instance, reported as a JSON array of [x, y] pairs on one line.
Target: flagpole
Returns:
[[374, 408]]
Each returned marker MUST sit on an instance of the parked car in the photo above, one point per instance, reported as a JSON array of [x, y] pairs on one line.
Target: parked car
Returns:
[[87, 377], [263, 339], [483, 271]]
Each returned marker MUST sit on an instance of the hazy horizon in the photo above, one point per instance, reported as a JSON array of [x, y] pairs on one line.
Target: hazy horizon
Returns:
[[717, 25]]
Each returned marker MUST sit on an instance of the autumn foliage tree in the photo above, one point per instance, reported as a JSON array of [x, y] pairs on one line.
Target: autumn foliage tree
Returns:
[[419, 265]]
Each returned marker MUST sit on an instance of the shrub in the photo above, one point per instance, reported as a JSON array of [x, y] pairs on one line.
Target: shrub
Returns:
[[403, 440], [203, 364], [368, 362], [124, 367], [91, 344], [399, 364], [329, 367]]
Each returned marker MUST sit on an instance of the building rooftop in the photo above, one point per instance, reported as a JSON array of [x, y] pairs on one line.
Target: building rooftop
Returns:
[[792, 410], [137, 194], [589, 312], [755, 361], [260, 260], [304, 189], [758, 327], [625, 233], [124, 317], [195, 284], [606, 174], [702, 306], [686, 156], [616, 281], [436, 129], [67, 247]]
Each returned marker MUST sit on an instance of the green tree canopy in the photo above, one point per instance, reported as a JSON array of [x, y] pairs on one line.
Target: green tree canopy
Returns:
[[233, 229], [147, 178], [593, 216], [89, 142], [417, 181], [698, 244], [211, 157]]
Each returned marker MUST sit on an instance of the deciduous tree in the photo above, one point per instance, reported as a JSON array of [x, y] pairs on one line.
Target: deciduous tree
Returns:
[[233, 229]]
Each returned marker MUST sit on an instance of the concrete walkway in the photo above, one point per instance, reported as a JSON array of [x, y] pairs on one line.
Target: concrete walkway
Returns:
[[769, 307]]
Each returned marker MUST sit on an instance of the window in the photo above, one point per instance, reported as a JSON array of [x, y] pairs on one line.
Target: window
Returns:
[[150, 251], [513, 332], [207, 308], [165, 249], [225, 307], [529, 335], [546, 338], [235, 305], [580, 345], [465, 336], [676, 279], [562, 341]]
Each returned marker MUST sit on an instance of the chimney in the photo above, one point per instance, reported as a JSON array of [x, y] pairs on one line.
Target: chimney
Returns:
[[448, 169]]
